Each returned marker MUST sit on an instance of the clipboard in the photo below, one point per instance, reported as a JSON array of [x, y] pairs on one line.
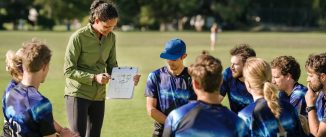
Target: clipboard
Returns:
[[121, 85]]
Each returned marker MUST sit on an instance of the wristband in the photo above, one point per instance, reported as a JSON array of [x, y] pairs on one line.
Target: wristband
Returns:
[[308, 109]]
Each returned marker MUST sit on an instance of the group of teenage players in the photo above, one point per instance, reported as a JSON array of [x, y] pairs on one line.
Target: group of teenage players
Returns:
[[265, 99]]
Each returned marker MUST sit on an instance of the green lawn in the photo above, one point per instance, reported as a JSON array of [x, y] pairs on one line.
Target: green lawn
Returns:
[[127, 118]]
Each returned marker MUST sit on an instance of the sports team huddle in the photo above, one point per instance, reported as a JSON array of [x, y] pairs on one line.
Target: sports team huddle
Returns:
[[265, 98]]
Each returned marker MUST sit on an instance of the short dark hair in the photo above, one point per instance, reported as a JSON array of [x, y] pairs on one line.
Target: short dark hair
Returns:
[[35, 54], [207, 71], [243, 50], [287, 64], [317, 63], [103, 10]]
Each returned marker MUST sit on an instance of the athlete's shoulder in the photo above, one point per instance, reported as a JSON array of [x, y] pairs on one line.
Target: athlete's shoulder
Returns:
[[41, 109], [183, 110], [11, 85], [34, 94], [22, 90], [156, 73], [300, 86], [227, 74], [159, 71], [227, 71], [29, 93], [300, 89], [247, 111]]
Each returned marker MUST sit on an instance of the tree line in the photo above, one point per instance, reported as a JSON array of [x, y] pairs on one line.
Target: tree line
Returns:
[[177, 14]]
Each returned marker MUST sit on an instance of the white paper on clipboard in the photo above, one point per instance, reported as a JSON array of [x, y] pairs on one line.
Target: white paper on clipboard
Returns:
[[121, 85]]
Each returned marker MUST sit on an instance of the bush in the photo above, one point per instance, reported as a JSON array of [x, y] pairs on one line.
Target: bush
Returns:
[[45, 23]]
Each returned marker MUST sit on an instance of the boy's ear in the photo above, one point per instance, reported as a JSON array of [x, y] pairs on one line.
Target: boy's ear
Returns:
[[44, 67], [288, 76], [184, 56], [247, 85], [323, 77], [195, 84]]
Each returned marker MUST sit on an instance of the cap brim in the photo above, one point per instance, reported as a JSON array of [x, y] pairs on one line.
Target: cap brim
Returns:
[[169, 56]]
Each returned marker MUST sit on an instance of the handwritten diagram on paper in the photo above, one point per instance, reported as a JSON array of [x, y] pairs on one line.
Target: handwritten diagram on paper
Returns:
[[121, 84]]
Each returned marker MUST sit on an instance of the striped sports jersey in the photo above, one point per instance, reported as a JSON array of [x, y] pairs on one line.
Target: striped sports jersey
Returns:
[[27, 113], [320, 105], [262, 122], [296, 98], [199, 119], [170, 91], [236, 90]]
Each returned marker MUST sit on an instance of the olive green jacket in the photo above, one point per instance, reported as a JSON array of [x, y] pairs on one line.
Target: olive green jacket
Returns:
[[85, 57]]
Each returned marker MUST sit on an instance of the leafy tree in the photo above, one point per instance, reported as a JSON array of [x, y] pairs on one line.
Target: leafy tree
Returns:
[[319, 7], [129, 11], [13, 10], [146, 17], [168, 11], [231, 12], [290, 13], [64, 9]]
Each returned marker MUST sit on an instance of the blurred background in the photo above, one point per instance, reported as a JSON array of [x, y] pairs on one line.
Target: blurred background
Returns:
[[143, 28], [169, 15]]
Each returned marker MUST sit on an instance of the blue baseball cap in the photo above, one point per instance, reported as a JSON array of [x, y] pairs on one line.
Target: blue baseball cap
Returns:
[[174, 49]]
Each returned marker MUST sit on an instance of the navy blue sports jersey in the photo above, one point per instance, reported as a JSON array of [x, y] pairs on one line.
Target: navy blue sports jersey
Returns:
[[11, 85], [320, 104], [236, 90], [170, 91], [296, 98], [262, 122], [199, 119], [27, 113]]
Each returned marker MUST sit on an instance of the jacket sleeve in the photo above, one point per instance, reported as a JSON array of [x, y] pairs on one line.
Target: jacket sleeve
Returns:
[[70, 62], [112, 60]]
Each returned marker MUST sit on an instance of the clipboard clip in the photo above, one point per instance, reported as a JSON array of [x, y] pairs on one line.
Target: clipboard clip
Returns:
[[129, 68]]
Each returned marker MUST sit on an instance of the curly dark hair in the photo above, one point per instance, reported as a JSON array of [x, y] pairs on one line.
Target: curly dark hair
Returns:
[[207, 70], [287, 64], [243, 50], [317, 63], [103, 10]]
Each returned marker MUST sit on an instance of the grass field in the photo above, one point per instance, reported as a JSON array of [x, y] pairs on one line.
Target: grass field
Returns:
[[127, 118]]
